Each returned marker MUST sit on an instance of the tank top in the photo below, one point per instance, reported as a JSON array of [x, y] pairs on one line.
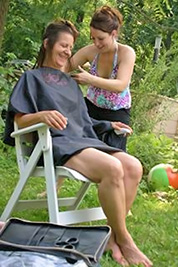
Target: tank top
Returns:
[[106, 99]]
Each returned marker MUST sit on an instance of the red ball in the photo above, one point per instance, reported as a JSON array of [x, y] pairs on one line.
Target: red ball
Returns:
[[172, 176]]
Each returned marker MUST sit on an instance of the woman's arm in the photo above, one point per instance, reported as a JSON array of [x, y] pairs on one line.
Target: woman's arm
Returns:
[[125, 70], [53, 118], [82, 56]]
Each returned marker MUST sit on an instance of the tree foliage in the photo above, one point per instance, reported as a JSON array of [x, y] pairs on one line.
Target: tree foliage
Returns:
[[143, 21]]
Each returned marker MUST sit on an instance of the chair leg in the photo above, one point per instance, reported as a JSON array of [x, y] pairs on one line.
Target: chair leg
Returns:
[[24, 175], [53, 208]]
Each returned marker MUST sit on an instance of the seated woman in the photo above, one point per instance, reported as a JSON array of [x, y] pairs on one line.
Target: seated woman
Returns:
[[47, 94]]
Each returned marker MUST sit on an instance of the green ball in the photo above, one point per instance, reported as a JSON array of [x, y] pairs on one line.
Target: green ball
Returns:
[[157, 178]]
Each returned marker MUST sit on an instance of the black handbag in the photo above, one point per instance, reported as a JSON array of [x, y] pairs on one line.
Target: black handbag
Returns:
[[71, 242]]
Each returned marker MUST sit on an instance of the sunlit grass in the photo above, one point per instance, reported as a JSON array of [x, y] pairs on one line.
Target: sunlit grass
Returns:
[[153, 223]]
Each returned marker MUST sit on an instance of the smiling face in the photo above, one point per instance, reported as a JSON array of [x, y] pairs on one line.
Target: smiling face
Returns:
[[103, 40], [57, 56]]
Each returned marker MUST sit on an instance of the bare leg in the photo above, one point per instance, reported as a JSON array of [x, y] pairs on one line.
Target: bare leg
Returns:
[[108, 172], [132, 177], [58, 187]]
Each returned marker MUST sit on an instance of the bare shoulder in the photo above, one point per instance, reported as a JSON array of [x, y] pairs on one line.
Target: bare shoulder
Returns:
[[126, 51]]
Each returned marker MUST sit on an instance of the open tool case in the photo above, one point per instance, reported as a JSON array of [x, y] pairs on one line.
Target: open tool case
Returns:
[[72, 242]]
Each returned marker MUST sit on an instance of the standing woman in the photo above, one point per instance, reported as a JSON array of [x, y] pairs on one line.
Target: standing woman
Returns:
[[111, 67]]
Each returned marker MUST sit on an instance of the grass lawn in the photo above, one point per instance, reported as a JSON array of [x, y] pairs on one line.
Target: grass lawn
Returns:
[[153, 223]]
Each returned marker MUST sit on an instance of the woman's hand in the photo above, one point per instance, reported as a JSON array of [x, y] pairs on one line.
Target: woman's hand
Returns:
[[83, 77], [119, 125], [54, 119]]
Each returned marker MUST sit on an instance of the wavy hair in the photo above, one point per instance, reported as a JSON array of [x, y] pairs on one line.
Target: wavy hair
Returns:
[[52, 32], [106, 19]]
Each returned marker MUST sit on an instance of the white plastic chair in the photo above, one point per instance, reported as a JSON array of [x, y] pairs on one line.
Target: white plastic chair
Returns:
[[27, 163]]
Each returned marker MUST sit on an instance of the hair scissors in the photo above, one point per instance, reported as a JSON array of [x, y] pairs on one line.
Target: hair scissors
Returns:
[[69, 243]]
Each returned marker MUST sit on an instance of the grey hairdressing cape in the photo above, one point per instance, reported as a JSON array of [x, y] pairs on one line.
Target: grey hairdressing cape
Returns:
[[50, 89]]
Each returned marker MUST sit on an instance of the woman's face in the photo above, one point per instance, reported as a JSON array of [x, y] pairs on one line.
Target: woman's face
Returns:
[[61, 51], [102, 40]]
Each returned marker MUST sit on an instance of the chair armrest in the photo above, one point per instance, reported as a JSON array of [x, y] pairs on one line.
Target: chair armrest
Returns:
[[29, 129]]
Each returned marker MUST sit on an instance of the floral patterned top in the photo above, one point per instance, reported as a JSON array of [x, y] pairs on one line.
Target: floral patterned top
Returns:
[[106, 99]]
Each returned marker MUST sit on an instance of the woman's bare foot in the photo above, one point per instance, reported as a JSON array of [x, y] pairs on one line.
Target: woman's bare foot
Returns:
[[115, 251], [132, 253]]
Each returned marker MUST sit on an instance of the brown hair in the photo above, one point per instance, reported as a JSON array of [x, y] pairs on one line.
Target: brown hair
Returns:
[[51, 33], [106, 19]]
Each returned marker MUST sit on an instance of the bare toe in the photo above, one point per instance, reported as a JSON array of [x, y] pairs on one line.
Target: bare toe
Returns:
[[134, 256], [116, 252]]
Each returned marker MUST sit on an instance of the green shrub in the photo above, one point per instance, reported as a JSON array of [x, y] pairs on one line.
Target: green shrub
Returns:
[[151, 150]]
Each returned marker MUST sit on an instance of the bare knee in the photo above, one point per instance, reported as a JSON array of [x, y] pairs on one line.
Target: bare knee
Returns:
[[114, 173], [131, 165], [134, 169]]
